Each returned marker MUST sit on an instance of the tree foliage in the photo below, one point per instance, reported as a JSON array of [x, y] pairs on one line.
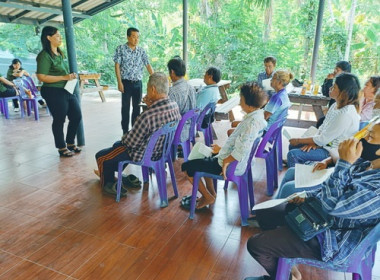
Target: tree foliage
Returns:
[[227, 34]]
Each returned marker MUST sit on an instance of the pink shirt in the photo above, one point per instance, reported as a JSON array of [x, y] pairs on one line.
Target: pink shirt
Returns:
[[366, 110]]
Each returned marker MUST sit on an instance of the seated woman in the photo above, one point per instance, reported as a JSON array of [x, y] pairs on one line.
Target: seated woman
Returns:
[[279, 100], [368, 101], [237, 146], [209, 93], [7, 89], [16, 71], [352, 201], [342, 121]]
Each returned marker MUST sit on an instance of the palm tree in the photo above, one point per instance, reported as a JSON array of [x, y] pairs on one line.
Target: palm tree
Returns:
[[268, 6]]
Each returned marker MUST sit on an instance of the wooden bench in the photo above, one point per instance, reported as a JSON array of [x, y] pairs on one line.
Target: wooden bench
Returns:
[[95, 77]]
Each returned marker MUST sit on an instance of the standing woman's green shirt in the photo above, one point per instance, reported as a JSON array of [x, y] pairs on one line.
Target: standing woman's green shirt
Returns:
[[52, 65]]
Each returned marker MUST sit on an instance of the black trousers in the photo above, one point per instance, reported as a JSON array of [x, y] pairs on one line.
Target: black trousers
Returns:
[[9, 93], [132, 90], [61, 104], [278, 240]]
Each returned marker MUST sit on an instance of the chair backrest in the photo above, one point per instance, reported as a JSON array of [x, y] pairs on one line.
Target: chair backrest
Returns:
[[269, 139], [191, 116], [208, 110], [163, 138], [369, 241], [31, 84], [21, 86], [283, 115], [232, 166]]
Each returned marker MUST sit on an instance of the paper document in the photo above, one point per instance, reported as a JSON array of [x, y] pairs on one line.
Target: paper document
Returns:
[[266, 84], [310, 132], [286, 134], [70, 85], [305, 177], [200, 151], [228, 105], [275, 202]]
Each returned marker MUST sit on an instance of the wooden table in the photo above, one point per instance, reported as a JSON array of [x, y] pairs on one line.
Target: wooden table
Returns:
[[95, 77], [315, 101], [223, 85]]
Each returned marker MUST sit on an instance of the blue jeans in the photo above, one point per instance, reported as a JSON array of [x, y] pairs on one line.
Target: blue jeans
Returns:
[[296, 155], [288, 185]]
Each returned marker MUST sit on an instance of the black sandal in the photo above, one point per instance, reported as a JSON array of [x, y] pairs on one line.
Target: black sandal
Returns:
[[74, 148], [65, 153]]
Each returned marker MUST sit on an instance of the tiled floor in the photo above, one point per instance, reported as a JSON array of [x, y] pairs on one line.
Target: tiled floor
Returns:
[[55, 223]]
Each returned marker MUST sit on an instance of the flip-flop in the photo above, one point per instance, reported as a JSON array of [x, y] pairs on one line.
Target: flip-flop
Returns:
[[188, 197], [111, 190], [131, 181]]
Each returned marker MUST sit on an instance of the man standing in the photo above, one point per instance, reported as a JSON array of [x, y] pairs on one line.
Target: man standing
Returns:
[[129, 65], [181, 92], [160, 111]]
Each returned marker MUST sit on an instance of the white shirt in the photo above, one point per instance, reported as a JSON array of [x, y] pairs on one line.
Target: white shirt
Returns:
[[339, 124]]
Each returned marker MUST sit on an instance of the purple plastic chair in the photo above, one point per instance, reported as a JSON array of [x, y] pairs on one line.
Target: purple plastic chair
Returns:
[[241, 182], [31, 85], [191, 116], [30, 102], [267, 150], [166, 132], [282, 117], [207, 132], [4, 105], [360, 262]]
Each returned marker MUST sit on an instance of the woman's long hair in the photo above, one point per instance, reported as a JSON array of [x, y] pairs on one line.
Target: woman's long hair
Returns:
[[349, 87], [15, 61], [48, 31]]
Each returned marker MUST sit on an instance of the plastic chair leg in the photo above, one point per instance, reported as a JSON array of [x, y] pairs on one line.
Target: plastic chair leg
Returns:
[[145, 173], [196, 179], [35, 108], [172, 176], [161, 183], [243, 200], [250, 190], [270, 174], [119, 178], [186, 150], [6, 110]]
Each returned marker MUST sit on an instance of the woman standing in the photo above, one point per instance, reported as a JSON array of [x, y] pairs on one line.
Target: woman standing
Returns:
[[53, 71]]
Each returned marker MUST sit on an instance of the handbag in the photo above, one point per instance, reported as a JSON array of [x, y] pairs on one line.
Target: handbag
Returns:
[[308, 219]]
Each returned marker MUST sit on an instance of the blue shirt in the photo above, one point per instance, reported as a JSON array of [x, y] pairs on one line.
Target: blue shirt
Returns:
[[263, 76], [278, 102], [207, 95], [131, 62], [352, 196]]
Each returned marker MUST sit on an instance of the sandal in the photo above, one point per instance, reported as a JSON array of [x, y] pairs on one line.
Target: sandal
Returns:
[[65, 153], [131, 181], [111, 189], [74, 148]]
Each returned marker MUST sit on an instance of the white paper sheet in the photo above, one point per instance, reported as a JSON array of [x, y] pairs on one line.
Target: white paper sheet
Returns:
[[70, 85], [305, 177], [199, 151], [310, 132], [274, 202], [266, 84]]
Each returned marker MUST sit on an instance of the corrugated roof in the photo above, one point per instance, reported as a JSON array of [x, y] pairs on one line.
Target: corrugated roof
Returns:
[[49, 12]]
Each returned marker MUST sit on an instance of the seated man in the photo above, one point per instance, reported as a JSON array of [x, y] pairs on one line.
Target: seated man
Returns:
[[181, 92], [209, 93], [351, 200], [160, 111], [270, 65], [7, 89]]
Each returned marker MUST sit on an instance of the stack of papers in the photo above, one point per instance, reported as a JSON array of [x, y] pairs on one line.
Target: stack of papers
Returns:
[[306, 178], [275, 202], [200, 151]]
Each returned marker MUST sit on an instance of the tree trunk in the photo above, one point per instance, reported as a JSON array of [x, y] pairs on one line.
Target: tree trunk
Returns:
[[351, 20], [268, 21]]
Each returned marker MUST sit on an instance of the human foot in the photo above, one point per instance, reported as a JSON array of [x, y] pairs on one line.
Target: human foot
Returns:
[[203, 202], [97, 173], [296, 274]]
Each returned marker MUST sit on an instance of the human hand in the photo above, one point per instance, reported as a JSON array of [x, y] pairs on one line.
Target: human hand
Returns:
[[308, 147], [215, 149], [224, 168], [350, 150], [297, 200], [320, 166], [70, 76], [294, 141], [120, 87], [330, 76], [147, 101]]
